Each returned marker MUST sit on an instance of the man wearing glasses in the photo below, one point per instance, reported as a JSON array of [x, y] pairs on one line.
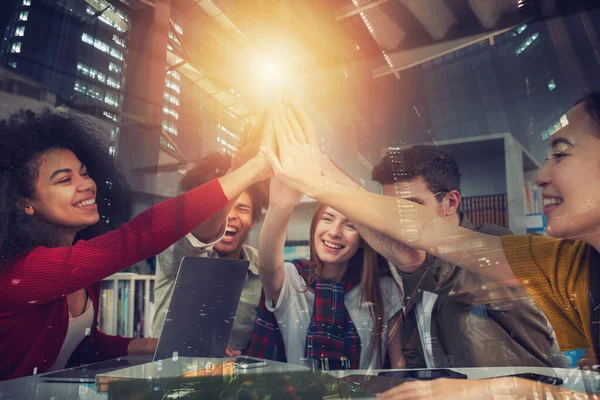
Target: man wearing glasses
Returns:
[[462, 319]]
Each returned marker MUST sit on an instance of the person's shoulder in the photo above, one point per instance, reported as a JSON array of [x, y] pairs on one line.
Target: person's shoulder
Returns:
[[250, 254], [180, 248], [388, 284]]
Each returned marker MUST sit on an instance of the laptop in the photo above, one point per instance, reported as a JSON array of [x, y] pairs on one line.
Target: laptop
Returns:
[[199, 318], [202, 309]]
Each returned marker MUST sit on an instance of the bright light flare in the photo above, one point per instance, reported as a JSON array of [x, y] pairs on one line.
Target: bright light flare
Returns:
[[270, 71], [273, 68]]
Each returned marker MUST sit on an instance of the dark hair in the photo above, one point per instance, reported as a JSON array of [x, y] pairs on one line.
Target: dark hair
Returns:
[[24, 137], [591, 103], [215, 165], [438, 169]]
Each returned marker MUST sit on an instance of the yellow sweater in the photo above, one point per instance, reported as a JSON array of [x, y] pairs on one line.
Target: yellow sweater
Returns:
[[555, 273]]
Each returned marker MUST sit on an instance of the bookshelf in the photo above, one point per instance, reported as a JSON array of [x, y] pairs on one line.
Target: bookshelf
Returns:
[[127, 305], [489, 209]]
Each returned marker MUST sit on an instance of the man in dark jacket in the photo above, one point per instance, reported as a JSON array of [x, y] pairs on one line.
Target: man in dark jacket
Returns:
[[454, 318]]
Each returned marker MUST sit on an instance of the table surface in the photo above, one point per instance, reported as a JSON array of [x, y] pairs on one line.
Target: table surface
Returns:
[[33, 387]]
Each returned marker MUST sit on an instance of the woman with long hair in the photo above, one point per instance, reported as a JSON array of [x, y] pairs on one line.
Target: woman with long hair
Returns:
[[559, 272], [57, 179], [337, 308]]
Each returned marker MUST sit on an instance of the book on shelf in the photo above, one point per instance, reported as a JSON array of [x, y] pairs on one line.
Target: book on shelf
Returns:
[[533, 198], [125, 305], [487, 209], [106, 310]]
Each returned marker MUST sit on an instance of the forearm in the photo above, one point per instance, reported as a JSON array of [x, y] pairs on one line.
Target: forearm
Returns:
[[235, 182], [142, 346], [394, 251], [405, 259], [270, 249], [208, 231], [418, 227]]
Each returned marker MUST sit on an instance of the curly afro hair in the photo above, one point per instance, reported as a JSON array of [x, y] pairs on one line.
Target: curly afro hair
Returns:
[[24, 137]]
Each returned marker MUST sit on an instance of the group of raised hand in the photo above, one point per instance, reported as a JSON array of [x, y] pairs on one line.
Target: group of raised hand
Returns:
[[285, 137]]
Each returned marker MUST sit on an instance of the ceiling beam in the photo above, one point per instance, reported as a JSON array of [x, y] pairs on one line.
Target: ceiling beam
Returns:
[[356, 10]]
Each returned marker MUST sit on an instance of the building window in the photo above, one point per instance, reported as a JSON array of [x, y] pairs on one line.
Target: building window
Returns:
[[170, 111], [111, 98], [165, 143], [15, 47], [26, 2], [521, 28], [121, 14], [20, 31], [171, 98], [119, 41], [227, 147], [169, 126], [173, 37], [23, 15], [176, 75], [528, 42], [13, 64], [562, 122], [84, 69], [112, 151], [103, 18], [172, 85], [551, 85], [231, 113], [116, 54], [112, 116], [227, 131], [89, 90], [91, 72], [103, 47], [112, 82], [112, 67], [178, 29]]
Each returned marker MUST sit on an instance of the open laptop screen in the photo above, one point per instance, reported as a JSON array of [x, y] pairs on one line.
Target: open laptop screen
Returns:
[[202, 309]]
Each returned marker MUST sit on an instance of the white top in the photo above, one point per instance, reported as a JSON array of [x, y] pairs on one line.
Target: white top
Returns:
[[423, 310], [294, 308], [78, 329]]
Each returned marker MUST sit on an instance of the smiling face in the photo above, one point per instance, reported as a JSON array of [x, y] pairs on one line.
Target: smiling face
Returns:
[[239, 223], [571, 178], [65, 195], [335, 239]]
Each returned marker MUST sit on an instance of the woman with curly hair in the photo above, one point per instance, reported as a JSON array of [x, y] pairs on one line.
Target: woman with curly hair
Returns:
[[56, 179]]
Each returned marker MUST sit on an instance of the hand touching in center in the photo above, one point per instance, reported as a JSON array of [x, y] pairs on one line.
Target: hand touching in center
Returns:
[[299, 162], [282, 195]]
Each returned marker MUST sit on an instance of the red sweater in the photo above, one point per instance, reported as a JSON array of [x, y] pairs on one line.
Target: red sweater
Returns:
[[33, 305]]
